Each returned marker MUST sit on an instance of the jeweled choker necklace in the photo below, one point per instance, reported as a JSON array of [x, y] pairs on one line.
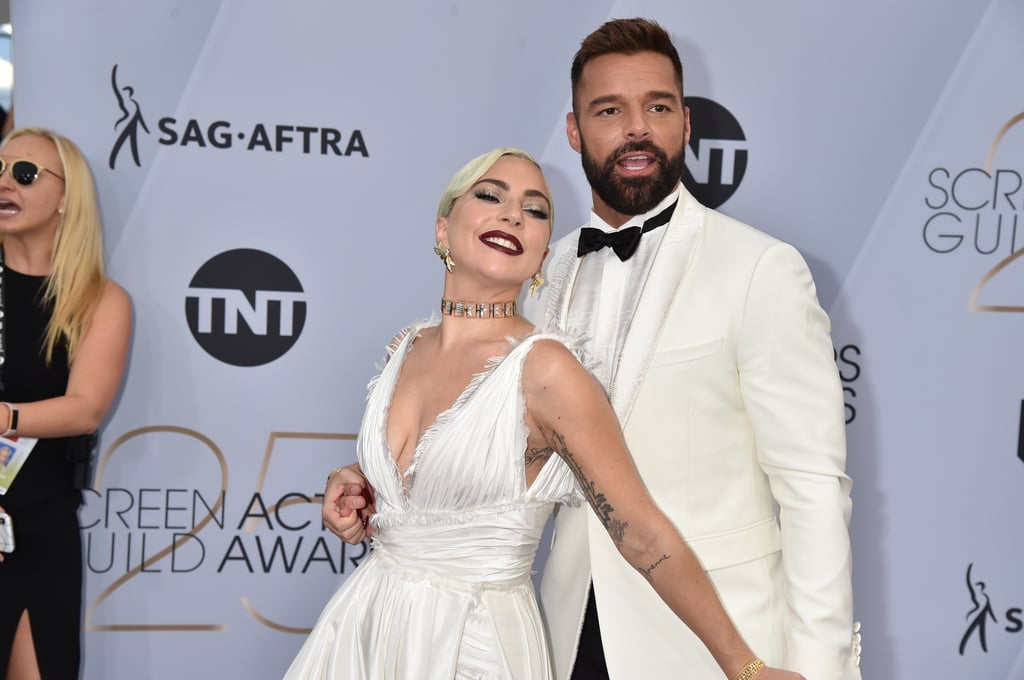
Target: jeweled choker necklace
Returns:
[[478, 310]]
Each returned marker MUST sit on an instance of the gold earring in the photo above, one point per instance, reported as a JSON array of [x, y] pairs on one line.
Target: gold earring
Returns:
[[536, 283], [445, 254]]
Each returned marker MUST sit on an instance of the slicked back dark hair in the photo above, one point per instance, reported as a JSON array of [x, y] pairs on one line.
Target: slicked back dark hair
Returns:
[[625, 36]]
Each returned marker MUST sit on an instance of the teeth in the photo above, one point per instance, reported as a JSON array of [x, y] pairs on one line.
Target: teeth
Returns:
[[503, 242], [636, 162]]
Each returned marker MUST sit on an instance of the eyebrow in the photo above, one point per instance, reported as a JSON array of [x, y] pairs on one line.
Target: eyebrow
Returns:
[[613, 98], [506, 187]]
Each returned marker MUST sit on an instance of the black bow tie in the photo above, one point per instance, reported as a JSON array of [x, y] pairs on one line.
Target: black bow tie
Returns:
[[623, 241]]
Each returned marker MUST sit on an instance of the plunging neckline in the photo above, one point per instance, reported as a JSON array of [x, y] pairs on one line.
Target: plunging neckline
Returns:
[[404, 477]]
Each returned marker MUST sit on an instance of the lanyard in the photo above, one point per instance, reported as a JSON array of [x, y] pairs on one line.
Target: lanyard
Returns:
[[3, 320]]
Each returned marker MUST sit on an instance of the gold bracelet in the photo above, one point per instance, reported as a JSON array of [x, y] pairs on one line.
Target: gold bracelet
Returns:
[[750, 670]]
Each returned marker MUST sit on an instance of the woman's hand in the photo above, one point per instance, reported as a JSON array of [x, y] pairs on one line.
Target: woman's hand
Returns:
[[348, 504], [2, 511]]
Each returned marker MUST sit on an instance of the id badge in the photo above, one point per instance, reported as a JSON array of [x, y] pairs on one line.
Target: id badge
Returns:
[[14, 451]]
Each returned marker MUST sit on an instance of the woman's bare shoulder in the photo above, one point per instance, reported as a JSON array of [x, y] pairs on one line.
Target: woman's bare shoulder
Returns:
[[113, 301], [552, 362]]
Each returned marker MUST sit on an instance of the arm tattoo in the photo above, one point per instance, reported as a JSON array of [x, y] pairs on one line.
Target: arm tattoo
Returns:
[[538, 455], [648, 573], [604, 510]]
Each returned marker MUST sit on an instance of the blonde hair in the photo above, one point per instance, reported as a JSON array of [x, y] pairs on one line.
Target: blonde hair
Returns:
[[470, 173], [77, 277]]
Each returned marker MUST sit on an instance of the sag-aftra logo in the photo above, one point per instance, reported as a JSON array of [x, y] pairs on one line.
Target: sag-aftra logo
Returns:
[[132, 132]]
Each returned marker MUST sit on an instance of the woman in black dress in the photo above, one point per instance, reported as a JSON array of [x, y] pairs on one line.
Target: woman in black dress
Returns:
[[65, 333]]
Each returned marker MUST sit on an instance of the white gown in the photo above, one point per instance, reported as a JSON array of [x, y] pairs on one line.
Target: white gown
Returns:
[[446, 592]]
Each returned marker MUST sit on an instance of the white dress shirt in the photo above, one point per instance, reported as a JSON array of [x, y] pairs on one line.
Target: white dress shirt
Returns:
[[608, 290]]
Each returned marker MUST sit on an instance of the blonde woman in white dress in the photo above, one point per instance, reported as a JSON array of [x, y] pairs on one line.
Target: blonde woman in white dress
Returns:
[[478, 425]]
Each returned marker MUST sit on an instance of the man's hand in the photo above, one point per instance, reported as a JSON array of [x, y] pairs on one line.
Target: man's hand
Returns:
[[777, 674], [348, 504]]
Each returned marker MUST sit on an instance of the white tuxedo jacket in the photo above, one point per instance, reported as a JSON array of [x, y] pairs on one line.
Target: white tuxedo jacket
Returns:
[[730, 401]]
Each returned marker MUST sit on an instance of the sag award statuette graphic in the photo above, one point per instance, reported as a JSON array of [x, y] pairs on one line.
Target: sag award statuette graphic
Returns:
[[1007, 187], [129, 122], [982, 619], [979, 614]]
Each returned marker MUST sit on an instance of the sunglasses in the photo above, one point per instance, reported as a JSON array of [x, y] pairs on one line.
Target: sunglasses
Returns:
[[25, 172]]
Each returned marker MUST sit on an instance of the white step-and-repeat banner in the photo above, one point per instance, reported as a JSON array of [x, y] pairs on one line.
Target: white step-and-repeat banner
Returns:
[[269, 172]]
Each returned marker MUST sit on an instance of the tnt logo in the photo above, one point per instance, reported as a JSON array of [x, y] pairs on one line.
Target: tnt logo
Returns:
[[716, 157], [1020, 434], [245, 307]]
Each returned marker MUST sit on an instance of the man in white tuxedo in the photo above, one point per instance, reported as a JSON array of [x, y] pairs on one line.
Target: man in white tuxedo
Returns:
[[718, 361]]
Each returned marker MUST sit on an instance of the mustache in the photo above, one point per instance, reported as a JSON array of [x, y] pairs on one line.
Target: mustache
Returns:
[[644, 146]]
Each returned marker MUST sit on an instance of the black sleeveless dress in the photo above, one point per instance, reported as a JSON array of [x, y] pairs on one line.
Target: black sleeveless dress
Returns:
[[44, 573]]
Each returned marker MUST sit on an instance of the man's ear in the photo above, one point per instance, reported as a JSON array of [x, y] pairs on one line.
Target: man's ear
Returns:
[[572, 131]]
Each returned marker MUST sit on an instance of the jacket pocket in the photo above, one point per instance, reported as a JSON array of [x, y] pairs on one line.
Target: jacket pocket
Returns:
[[690, 353]]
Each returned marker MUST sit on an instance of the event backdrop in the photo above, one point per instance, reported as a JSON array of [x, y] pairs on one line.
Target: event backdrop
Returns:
[[269, 172]]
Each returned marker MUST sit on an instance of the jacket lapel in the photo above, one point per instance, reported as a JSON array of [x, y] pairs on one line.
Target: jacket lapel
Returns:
[[666, 275], [562, 275]]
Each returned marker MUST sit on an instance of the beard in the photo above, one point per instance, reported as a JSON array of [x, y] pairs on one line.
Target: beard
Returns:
[[632, 195]]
